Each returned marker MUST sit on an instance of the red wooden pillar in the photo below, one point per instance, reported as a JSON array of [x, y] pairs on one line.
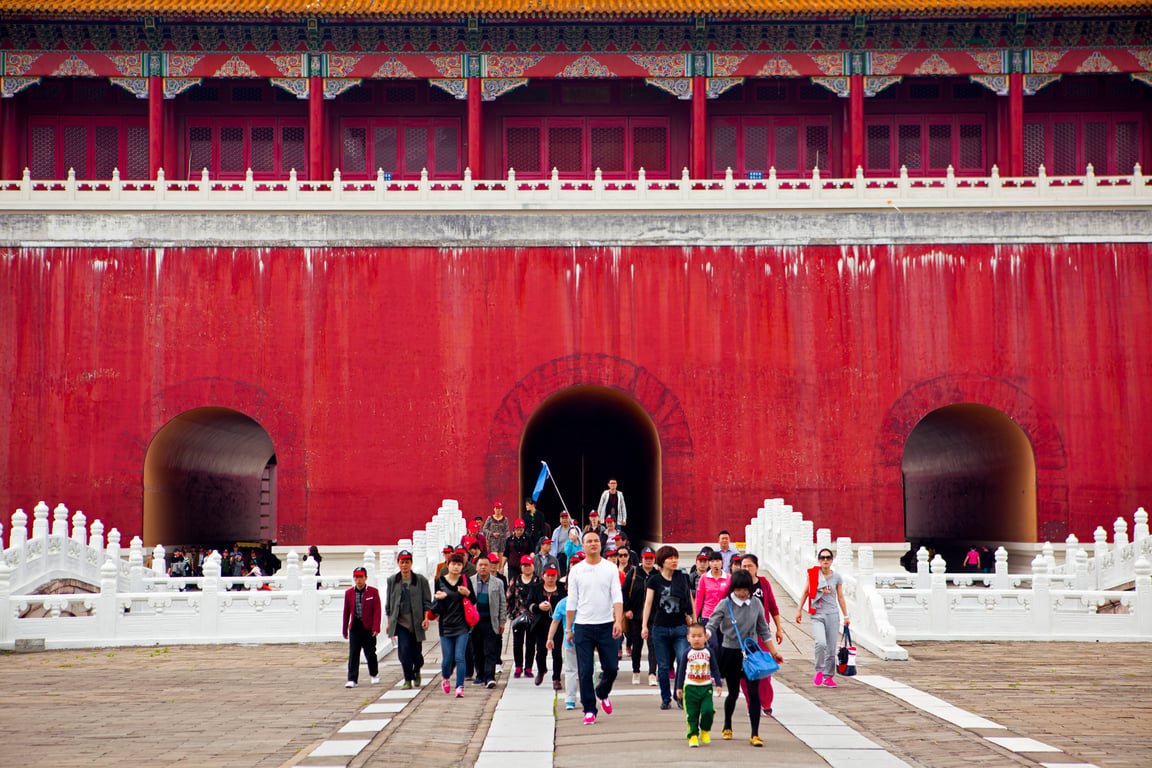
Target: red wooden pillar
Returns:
[[1016, 124], [4, 139], [855, 123], [172, 168], [699, 155], [155, 125], [10, 140], [475, 142], [315, 128]]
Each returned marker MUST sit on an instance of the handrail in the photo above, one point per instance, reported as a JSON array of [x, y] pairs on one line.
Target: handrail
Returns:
[[382, 194]]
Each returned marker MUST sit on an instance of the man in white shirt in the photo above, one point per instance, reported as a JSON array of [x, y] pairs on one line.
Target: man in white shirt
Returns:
[[595, 619]]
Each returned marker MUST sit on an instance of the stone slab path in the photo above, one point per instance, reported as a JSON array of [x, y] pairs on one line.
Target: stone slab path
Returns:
[[951, 705]]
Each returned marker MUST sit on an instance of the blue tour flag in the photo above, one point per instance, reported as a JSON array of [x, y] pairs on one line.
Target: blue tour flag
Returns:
[[540, 481]]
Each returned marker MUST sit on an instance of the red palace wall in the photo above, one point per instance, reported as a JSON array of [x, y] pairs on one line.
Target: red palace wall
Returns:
[[389, 379]]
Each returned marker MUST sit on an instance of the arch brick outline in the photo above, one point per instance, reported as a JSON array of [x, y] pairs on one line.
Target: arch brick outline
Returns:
[[657, 400], [1035, 421], [217, 392]]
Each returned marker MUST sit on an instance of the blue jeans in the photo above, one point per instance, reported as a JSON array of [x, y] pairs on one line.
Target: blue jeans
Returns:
[[592, 639], [454, 652], [669, 643]]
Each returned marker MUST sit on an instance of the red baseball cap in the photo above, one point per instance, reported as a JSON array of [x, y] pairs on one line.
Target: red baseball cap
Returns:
[[518, 524], [551, 570], [527, 560], [497, 504], [493, 557]]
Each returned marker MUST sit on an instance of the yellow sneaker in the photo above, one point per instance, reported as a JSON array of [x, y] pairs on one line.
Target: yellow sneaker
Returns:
[[756, 741], [693, 741], [726, 734], [705, 737]]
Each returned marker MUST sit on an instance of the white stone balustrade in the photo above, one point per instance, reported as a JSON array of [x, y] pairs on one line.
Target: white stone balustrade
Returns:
[[137, 605], [1064, 602], [856, 192]]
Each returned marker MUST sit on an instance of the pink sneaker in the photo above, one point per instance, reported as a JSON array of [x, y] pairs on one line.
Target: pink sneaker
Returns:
[[446, 685], [589, 718], [829, 682], [607, 705], [815, 681], [460, 692]]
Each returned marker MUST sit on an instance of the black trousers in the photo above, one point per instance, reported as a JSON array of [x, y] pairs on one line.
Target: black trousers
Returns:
[[360, 639], [540, 638], [410, 652], [485, 649], [635, 627]]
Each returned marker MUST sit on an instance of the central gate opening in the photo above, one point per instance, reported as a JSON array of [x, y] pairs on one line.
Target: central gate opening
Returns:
[[969, 476], [588, 435], [209, 480]]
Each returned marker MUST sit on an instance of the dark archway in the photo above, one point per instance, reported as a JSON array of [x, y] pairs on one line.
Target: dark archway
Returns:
[[589, 434], [969, 475], [209, 479]]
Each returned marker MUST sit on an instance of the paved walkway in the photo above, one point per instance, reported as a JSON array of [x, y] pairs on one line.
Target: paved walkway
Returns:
[[958, 704]]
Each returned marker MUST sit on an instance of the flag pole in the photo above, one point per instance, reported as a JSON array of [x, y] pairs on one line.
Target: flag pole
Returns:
[[553, 479]]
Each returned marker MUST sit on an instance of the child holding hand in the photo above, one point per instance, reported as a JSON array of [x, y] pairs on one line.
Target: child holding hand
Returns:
[[696, 668]]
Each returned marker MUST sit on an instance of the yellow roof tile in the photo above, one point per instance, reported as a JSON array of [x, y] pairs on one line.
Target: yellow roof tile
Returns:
[[545, 8]]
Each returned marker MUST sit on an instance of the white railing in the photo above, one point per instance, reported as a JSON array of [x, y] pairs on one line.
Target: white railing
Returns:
[[642, 193], [134, 605], [922, 606]]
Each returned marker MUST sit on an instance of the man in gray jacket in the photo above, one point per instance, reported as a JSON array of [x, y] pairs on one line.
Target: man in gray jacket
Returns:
[[492, 604], [409, 600]]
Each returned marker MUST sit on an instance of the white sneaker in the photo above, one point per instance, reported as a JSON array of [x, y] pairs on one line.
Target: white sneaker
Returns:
[[350, 684], [499, 669], [651, 680], [635, 678], [375, 681]]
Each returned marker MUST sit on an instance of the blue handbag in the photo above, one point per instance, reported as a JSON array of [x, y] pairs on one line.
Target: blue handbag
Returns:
[[758, 664]]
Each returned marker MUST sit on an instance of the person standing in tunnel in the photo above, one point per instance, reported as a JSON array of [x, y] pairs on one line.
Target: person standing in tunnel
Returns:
[[612, 505]]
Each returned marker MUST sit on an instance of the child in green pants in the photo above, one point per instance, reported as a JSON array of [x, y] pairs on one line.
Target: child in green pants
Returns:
[[695, 670]]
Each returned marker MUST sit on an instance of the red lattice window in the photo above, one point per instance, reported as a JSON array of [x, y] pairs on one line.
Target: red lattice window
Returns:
[[135, 152], [200, 144], [385, 148], [786, 149], [522, 145], [1066, 143], [293, 150], [415, 149], [607, 149], [576, 147], [400, 147], [354, 149], [878, 147], [228, 147], [793, 145], [650, 148], [818, 146], [93, 147], [756, 146], [263, 149], [924, 144], [725, 145], [446, 150], [565, 149], [42, 151]]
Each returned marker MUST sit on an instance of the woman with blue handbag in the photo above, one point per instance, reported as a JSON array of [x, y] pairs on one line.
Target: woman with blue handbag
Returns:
[[740, 620]]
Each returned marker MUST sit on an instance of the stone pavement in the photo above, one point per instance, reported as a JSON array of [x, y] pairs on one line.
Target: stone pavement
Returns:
[[279, 705]]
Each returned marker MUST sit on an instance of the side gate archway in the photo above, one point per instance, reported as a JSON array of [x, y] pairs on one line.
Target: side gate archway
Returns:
[[502, 464], [255, 404], [946, 391]]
